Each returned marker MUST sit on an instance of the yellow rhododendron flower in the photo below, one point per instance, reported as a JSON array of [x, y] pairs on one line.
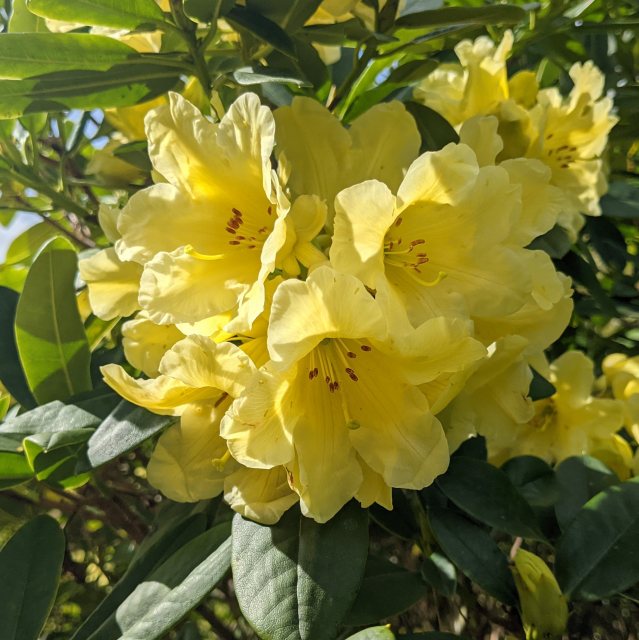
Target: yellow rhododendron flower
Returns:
[[571, 422], [208, 237], [567, 134], [444, 245], [544, 610], [198, 380], [622, 374], [339, 404]]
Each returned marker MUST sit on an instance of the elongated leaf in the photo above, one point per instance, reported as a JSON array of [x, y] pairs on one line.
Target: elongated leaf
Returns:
[[11, 373], [30, 566], [534, 479], [51, 341], [597, 555], [121, 85], [247, 76], [262, 28], [14, 468], [474, 553], [28, 243], [23, 21], [440, 574], [155, 549], [124, 428], [498, 14], [23, 55], [100, 13], [157, 605], [468, 481], [386, 590], [51, 417], [297, 579]]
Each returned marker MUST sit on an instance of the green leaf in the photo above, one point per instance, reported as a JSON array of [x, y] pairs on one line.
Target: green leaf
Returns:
[[23, 21], [579, 479], [175, 588], [540, 388], [247, 76], [297, 579], [473, 552], [14, 468], [386, 590], [440, 574], [202, 10], [534, 479], [122, 85], [23, 55], [152, 553], [621, 201], [373, 633], [468, 481], [30, 566], [597, 554], [51, 417], [556, 242], [123, 429], [11, 373], [435, 130], [290, 14], [100, 13], [51, 342], [262, 28], [430, 635], [27, 244], [499, 14]]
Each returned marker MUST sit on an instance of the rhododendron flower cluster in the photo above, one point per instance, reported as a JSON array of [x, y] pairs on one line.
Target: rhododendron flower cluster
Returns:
[[328, 313]]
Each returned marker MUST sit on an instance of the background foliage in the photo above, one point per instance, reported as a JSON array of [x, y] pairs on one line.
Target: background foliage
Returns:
[[98, 553]]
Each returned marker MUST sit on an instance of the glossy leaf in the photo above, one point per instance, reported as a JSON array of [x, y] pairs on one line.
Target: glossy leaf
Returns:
[[247, 76], [297, 579], [11, 373], [122, 85], [386, 590], [468, 481], [534, 479], [597, 555], [51, 417], [23, 55], [373, 633], [30, 566], [100, 13], [261, 27], [498, 14], [473, 552], [440, 574], [123, 429], [435, 130]]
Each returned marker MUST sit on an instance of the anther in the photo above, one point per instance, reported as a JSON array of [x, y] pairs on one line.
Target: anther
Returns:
[[365, 347], [350, 354]]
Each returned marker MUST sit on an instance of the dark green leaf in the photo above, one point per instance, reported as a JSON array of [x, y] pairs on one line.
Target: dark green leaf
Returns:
[[540, 388], [497, 14], [262, 28], [122, 85], [290, 14], [155, 550], [11, 373], [468, 481], [400, 521], [621, 201], [123, 429], [474, 447], [135, 153], [579, 479], [386, 590], [473, 552], [298, 579], [429, 635], [534, 479], [50, 336], [435, 130], [100, 13], [30, 566], [23, 55], [598, 555], [202, 10], [556, 242], [411, 71], [440, 574]]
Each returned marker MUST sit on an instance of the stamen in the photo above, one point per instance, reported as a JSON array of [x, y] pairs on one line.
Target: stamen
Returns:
[[220, 463]]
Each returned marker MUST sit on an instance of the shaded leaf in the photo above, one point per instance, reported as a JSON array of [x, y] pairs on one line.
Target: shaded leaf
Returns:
[[50, 337], [261, 27], [498, 14], [435, 130]]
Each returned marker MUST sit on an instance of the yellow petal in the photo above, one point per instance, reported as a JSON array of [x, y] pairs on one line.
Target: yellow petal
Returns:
[[113, 284], [262, 495], [185, 464]]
